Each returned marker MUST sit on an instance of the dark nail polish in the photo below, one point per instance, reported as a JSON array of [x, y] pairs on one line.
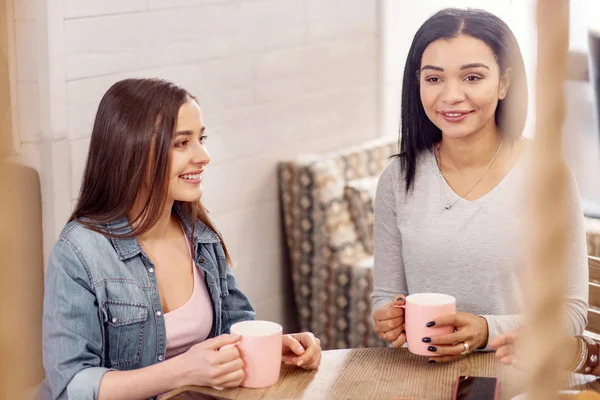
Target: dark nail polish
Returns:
[[430, 324], [403, 332], [426, 340], [431, 361], [399, 298], [432, 348]]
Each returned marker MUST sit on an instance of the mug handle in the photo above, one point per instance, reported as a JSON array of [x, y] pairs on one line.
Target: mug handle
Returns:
[[403, 306]]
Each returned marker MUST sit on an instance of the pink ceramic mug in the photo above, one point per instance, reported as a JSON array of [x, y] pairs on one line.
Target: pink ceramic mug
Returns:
[[260, 349], [420, 309]]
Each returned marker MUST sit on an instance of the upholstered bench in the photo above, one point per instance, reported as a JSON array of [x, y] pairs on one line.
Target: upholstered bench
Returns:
[[330, 246]]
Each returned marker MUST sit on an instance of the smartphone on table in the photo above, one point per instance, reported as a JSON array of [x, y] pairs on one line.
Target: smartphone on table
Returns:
[[476, 388]]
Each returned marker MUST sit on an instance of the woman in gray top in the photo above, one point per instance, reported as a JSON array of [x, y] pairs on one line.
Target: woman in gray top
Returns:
[[447, 209]]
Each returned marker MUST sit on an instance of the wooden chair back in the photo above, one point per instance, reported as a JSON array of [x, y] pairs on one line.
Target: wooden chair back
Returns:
[[594, 295]]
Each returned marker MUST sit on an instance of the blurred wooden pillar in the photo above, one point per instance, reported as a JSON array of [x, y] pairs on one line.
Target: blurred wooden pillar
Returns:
[[21, 280], [21, 259], [545, 289]]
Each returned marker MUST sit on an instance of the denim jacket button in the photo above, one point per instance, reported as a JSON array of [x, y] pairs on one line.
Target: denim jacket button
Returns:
[[151, 270], [158, 313], [114, 320], [201, 261], [160, 357]]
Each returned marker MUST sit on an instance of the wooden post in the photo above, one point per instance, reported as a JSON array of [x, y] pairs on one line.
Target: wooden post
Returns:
[[546, 272], [21, 260]]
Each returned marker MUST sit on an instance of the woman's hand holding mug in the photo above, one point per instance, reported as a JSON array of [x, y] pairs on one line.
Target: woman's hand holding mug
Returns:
[[389, 322], [434, 327], [215, 362], [470, 329]]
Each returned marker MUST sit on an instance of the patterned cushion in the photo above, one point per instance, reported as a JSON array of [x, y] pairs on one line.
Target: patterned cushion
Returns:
[[366, 160], [361, 195], [341, 234], [332, 284]]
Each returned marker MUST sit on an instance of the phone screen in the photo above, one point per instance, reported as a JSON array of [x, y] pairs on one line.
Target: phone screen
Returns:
[[475, 388]]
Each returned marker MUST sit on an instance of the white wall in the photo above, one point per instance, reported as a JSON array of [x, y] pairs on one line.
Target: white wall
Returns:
[[275, 78], [582, 132], [584, 15]]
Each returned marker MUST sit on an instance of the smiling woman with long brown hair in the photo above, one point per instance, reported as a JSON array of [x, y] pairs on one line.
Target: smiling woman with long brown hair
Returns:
[[139, 294]]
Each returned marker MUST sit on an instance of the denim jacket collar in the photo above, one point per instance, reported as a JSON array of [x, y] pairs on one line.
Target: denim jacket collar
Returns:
[[130, 247]]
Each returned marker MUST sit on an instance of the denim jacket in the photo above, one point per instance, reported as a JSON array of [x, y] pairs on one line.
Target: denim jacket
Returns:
[[102, 308]]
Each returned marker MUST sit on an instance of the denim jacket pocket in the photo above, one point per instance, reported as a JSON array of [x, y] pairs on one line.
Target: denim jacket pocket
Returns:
[[125, 332]]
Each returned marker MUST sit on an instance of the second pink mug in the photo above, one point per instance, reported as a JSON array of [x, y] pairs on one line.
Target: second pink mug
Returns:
[[420, 309]]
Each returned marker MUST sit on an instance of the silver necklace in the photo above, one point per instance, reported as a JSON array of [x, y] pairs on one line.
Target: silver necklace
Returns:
[[438, 159]]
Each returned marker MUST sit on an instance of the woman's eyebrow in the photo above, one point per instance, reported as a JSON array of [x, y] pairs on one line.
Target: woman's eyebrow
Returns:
[[474, 65], [188, 132]]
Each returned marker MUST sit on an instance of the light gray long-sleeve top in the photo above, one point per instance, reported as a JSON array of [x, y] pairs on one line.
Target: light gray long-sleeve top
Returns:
[[472, 251]]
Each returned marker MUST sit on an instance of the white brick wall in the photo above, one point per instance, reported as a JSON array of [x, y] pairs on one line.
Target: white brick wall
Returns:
[[78, 8], [108, 44], [26, 50], [28, 109], [78, 149], [274, 77], [333, 18]]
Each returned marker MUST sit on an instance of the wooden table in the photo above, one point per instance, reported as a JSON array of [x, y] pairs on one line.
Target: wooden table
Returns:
[[379, 373]]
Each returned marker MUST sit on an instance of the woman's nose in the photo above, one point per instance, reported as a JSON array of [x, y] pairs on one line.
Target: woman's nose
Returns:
[[201, 155], [452, 93]]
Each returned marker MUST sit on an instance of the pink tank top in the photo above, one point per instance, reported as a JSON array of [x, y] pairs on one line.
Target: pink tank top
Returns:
[[191, 323]]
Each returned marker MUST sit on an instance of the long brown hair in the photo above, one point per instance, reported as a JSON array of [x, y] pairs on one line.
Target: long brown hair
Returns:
[[130, 146]]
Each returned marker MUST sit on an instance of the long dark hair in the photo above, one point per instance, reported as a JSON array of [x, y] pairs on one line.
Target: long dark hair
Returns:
[[131, 146], [417, 132]]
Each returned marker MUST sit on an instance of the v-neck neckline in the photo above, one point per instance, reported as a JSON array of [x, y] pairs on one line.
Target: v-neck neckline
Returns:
[[455, 198]]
